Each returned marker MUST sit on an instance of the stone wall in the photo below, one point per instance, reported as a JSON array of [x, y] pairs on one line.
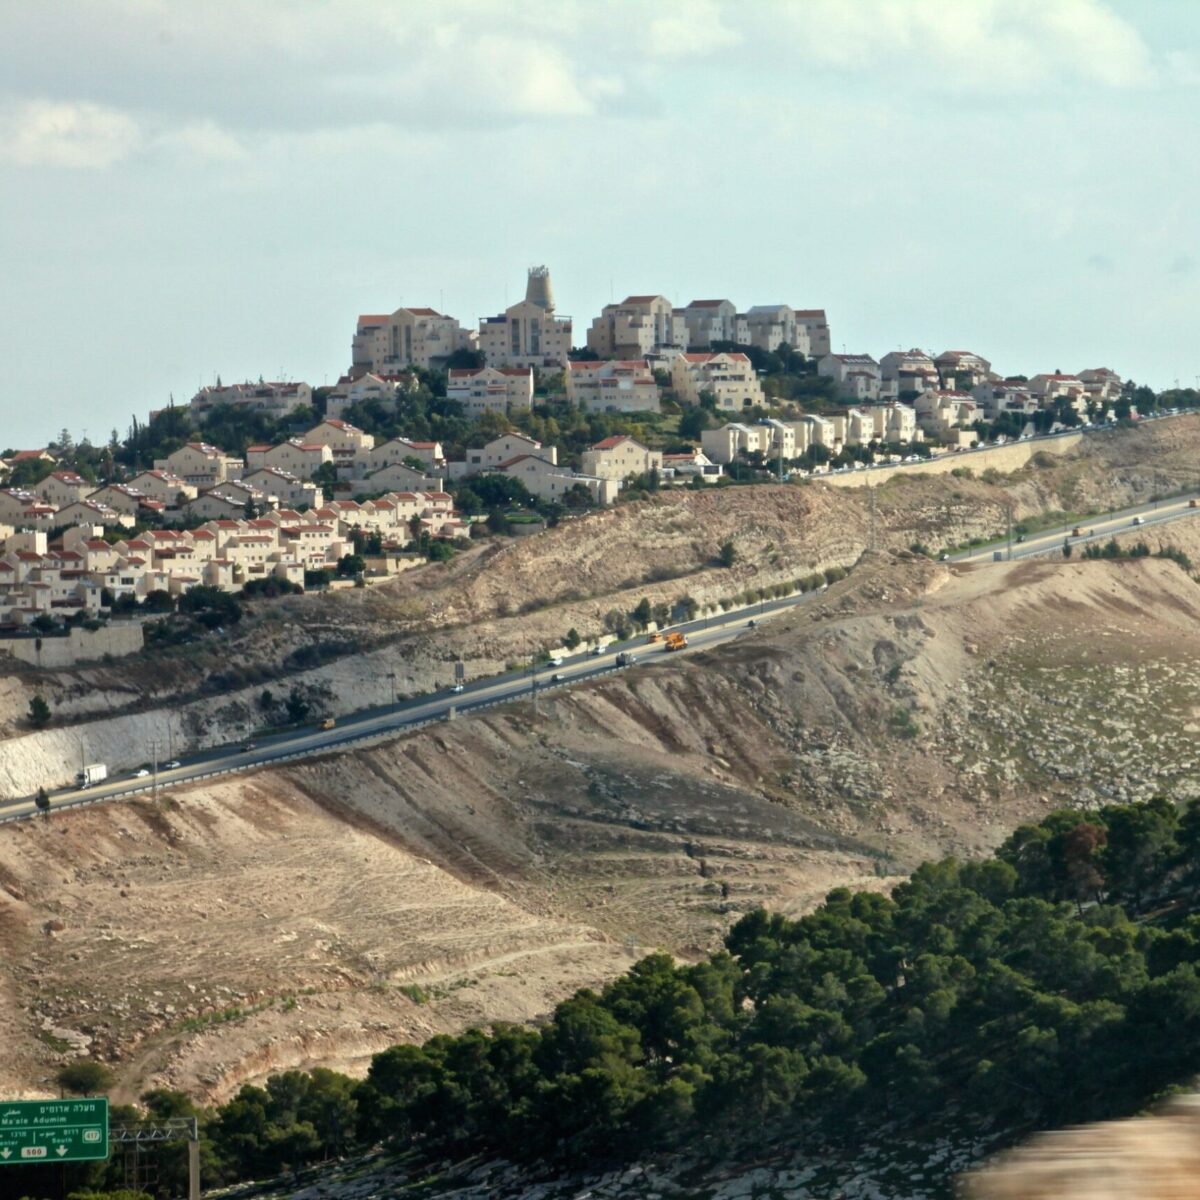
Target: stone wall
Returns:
[[80, 645], [1009, 457]]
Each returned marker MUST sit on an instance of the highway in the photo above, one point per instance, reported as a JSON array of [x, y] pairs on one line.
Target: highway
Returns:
[[703, 633], [1093, 529]]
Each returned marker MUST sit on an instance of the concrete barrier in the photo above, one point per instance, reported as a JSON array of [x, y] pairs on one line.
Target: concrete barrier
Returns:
[[80, 645]]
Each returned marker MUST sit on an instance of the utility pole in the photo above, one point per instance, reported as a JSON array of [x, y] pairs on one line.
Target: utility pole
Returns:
[[154, 768], [1009, 511]]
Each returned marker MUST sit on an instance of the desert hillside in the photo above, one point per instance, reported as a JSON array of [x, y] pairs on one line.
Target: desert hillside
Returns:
[[483, 868]]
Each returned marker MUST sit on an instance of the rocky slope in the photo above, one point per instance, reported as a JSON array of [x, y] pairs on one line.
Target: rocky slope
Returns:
[[502, 602], [483, 868]]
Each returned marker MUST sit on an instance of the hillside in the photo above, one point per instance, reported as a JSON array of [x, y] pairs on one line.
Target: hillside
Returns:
[[501, 602], [498, 862]]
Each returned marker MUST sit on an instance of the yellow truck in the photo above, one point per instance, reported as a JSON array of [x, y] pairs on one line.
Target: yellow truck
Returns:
[[676, 641]]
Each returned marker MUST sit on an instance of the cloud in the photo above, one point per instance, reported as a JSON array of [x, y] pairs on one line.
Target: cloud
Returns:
[[694, 30], [992, 45], [204, 140], [66, 134]]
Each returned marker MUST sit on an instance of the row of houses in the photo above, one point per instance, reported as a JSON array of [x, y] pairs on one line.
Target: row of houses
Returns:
[[83, 571], [910, 373]]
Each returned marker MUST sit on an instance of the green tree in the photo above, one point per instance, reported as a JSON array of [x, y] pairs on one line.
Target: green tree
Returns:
[[39, 712], [84, 1077], [727, 553], [42, 800], [572, 640]]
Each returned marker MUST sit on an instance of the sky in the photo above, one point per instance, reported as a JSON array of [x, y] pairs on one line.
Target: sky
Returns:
[[193, 189]]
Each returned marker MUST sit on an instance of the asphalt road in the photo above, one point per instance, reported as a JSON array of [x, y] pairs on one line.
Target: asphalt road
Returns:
[[1093, 529], [702, 633]]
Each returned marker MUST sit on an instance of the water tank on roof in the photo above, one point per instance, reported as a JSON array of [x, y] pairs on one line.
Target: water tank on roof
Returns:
[[539, 290]]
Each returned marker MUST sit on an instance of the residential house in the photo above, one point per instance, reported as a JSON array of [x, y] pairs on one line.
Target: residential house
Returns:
[[386, 344], [369, 388], [63, 487], [490, 389], [284, 487], [686, 466], [728, 377], [200, 464], [164, 486], [620, 457], [1046, 389], [828, 432], [300, 458], [912, 370], [397, 450], [736, 440], [89, 512], [499, 450], [399, 478], [527, 334], [946, 415], [962, 369], [622, 385], [709, 321], [543, 478], [345, 440], [638, 326], [857, 376], [124, 498], [1005, 397], [1101, 385], [24, 510]]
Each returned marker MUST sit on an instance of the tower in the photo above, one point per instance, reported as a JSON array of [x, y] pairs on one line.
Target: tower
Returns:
[[538, 289]]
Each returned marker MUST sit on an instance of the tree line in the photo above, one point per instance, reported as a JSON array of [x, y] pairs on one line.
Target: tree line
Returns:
[[1055, 982]]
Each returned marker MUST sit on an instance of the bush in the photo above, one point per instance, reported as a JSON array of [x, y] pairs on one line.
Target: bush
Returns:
[[85, 1078]]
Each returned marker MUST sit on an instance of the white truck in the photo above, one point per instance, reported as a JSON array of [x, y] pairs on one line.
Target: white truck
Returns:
[[91, 775]]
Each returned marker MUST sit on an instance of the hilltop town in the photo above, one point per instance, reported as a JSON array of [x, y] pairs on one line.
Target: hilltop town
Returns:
[[437, 433]]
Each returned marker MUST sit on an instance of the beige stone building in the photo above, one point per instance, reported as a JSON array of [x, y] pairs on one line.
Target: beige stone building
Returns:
[[709, 321], [815, 326], [621, 385], [728, 377], [618, 458], [962, 369], [200, 464], [385, 344], [528, 333], [300, 458], [638, 326], [499, 450], [490, 389], [858, 376], [276, 399], [164, 486], [63, 487]]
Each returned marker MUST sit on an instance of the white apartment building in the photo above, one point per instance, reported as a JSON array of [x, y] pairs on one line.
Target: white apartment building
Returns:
[[490, 389], [1056, 386], [283, 487], [729, 377], [1005, 397], [276, 399], [385, 344], [396, 450], [638, 326], [709, 321], [1102, 385], [382, 389], [527, 334], [941, 413], [620, 385]]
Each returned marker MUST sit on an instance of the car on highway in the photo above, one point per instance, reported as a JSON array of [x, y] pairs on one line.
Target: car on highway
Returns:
[[458, 687], [172, 765], [1138, 521], [249, 746], [140, 773], [597, 651], [556, 677], [556, 661]]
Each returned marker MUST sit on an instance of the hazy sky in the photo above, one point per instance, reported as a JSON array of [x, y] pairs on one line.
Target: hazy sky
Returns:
[[194, 187]]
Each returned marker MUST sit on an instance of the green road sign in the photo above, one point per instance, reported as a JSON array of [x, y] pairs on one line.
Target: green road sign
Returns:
[[53, 1130]]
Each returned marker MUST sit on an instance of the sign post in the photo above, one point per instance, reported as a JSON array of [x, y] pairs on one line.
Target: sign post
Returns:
[[53, 1131]]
